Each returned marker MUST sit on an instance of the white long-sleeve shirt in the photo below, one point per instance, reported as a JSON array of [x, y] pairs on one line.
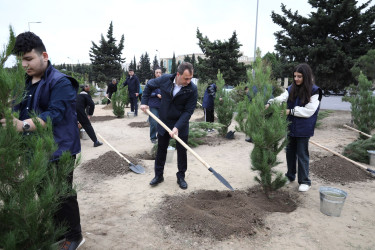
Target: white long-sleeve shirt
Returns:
[[307, 111]]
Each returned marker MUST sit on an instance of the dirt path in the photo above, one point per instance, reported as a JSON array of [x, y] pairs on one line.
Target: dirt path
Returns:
[[121, 211]]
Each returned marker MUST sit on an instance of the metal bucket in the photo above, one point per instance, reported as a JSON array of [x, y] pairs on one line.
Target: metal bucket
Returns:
[[83, 134], [331, 200], [371, 155], [170, 153], [130, 114]]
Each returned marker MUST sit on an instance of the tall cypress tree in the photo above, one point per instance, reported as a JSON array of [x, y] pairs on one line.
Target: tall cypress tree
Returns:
[[174, 65], [221, 56], [144, 73], [155, 63], [163, 69], [107, 58], [330, 39]]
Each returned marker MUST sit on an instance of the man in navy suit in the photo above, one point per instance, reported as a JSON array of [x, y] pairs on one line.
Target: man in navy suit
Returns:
[[177, 105]]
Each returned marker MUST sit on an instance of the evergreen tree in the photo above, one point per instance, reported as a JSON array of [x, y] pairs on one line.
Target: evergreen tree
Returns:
[[155, 64], [366, 64], [144, 73], [363, 105], [329, 39], [266, 127], [163, 69], [120, 99], [31, 186], [196, 69], [221, 56], [106, 57], [174, 65], [187, 58], [224, 106]]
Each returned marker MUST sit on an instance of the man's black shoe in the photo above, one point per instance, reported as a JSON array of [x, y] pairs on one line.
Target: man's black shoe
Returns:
[[97, 144], [157, 179], [248, 140], [182, 183]]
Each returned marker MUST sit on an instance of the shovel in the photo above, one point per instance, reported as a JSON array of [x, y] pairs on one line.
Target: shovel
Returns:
[[346, 126], [135, 168], [217, 175], [341, 156]]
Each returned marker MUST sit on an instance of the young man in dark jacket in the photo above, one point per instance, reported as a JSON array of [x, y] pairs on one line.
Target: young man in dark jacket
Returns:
[[112, 88], [177, 105], [51, 94], [85, 102], [133, 84]]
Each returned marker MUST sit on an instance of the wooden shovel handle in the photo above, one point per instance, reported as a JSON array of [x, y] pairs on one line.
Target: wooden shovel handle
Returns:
[[177, 138], [117, 152], [339, 155], [346, 126]]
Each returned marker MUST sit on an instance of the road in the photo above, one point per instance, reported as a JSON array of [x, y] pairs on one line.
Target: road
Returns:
[[334, 103]]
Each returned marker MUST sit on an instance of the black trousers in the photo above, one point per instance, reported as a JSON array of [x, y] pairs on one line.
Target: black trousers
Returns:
[[68, 212], [163, 142], [86, 124], [209, 115], [134, 104], [109, 96]]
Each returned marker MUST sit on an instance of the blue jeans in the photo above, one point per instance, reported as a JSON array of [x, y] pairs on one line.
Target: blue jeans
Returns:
[[297, 150], [153, 123], [163, 142]]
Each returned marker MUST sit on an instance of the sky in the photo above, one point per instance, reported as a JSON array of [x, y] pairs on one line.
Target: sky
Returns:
[[160, 27]]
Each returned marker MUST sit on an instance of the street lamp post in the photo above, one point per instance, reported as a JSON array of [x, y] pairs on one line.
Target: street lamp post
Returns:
[[32, 22], [255, 42]]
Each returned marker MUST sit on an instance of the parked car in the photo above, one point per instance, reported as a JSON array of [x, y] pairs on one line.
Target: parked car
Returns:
[[228, 88]]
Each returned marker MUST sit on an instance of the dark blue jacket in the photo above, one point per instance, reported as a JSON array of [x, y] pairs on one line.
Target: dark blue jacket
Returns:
[[154, 101], [133, 85], [55, 97], [300, 126], [175, 111], [209, 97]]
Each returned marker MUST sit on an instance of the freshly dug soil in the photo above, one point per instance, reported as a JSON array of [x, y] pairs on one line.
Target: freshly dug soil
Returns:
[[214, 140], [221, 214], [145, 156], [139, 124], [102, 118], [109, 164], [336, 169]]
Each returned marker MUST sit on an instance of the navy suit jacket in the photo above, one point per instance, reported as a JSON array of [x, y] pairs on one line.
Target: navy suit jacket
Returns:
[[175, 111]]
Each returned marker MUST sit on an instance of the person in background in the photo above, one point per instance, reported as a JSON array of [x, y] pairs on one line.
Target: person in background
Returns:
[[154, 105], [85, 102], [140, 93], [209, 104], [133, 84], [112, 88], [303, 99], [51, 94], [177, 105]]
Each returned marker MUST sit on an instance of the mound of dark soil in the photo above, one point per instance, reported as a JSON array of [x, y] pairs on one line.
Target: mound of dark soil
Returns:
[[336, 169], [109, 164], [102, 118], [139, 124], [220, 214]]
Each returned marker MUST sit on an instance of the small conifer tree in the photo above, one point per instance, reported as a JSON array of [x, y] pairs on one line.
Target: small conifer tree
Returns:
[[119, 99], [363, 106], [224, 106], [31, 187], [266, 126]]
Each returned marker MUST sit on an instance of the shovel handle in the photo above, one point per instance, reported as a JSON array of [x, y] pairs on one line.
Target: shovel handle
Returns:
[[178, 138], [339, 155], [117, 152], [346, 126]]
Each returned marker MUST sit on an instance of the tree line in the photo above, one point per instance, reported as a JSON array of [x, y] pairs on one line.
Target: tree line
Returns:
[[335, 39]]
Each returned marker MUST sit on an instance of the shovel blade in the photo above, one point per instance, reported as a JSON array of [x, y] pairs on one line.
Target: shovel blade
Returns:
[[136, 168], [221, 179]]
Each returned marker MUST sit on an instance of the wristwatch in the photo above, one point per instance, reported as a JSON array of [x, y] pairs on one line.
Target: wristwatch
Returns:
[[25, 126]]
